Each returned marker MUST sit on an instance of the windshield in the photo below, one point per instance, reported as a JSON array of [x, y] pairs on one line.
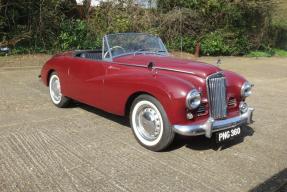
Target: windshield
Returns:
[[134, 43]]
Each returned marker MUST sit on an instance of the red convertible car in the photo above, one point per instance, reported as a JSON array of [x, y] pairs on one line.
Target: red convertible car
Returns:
[[133, 75]]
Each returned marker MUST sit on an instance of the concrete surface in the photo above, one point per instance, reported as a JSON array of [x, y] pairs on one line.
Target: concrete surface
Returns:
[[43, 148]]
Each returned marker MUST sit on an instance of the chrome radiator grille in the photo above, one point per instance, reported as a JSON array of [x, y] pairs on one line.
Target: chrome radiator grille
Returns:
[[216, 88]]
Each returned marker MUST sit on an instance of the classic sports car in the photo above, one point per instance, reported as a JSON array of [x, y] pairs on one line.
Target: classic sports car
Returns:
[[134, 75]]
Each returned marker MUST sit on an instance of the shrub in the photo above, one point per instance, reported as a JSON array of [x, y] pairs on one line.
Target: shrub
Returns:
[[223, 27], [186, 43], [214, 44], [75, 34]]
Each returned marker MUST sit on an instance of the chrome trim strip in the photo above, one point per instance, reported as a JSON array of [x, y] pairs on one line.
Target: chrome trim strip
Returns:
[[211, 125], [175, 70], [145, 66], [160, 68], [127, 64]]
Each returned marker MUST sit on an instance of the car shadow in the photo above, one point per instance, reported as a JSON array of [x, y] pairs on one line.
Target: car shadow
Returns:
[[203, 143], [276, 183], [194, 143], [118, 119]]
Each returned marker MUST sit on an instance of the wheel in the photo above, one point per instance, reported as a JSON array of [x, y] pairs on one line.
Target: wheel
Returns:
[[55, 91], [150, 124]]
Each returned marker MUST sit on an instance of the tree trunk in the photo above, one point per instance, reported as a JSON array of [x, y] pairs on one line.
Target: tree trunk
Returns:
[[197, 50]]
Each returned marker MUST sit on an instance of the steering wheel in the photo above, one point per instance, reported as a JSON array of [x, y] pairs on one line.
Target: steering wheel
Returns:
[[112, 48]]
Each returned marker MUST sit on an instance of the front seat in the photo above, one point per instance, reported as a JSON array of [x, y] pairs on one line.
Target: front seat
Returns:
[[83, 55]]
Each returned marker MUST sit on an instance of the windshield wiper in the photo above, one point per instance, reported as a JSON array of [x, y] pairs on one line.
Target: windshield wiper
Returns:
[[161, 52], [145, 51], [139, 51]]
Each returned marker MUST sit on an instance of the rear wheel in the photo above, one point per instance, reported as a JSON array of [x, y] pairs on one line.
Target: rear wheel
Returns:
[[150, 124], [55, 91]]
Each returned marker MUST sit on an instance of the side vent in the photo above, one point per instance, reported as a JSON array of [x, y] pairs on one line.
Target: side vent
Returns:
[[202, 110], [232, 102]]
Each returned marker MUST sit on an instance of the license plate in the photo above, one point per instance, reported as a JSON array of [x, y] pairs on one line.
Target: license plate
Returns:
[[228, 134]]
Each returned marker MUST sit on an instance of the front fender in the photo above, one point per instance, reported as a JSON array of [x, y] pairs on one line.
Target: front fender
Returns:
[[176, 88], [170, 90], [57, 63]]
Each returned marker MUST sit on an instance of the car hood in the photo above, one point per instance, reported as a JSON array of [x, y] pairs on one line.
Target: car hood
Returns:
[[171, 64]]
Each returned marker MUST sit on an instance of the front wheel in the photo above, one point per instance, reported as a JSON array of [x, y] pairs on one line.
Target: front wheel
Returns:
[[150, 124], [55, 91]]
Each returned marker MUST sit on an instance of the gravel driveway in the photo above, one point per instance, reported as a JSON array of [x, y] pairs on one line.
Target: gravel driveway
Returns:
[[44, 148]]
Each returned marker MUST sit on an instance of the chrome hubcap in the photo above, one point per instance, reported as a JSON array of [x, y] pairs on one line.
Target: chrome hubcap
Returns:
[[55, 89], [148, 122]]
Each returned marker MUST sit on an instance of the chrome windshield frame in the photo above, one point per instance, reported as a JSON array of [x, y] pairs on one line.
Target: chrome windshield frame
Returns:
[[106, 42]]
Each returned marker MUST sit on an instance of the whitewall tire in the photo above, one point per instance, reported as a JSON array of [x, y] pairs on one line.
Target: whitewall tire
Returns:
[[150, 124], [55, 91]]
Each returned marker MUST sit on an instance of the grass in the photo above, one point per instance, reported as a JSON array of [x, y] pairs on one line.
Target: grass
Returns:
[[269, 53], [280, 53], [259, 54]]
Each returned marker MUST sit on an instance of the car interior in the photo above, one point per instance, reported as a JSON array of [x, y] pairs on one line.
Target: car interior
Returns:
[[90, 54]]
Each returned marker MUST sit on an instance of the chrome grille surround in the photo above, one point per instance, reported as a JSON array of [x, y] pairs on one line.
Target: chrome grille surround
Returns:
[[216, 91]]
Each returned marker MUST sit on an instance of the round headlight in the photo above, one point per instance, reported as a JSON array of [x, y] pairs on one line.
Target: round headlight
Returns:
[[193, 99], [246, 89]]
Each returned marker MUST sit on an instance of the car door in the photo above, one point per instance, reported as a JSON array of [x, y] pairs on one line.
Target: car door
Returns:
[[86, 80]]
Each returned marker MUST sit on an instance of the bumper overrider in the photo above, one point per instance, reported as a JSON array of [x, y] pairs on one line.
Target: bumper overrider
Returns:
[[212, 125]]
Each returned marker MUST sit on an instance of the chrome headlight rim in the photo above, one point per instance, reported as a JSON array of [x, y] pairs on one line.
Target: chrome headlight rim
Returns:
[[193, 99], [246, 89]]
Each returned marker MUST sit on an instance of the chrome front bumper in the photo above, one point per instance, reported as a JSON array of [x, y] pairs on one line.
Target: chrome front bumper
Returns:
[[212, 125]]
